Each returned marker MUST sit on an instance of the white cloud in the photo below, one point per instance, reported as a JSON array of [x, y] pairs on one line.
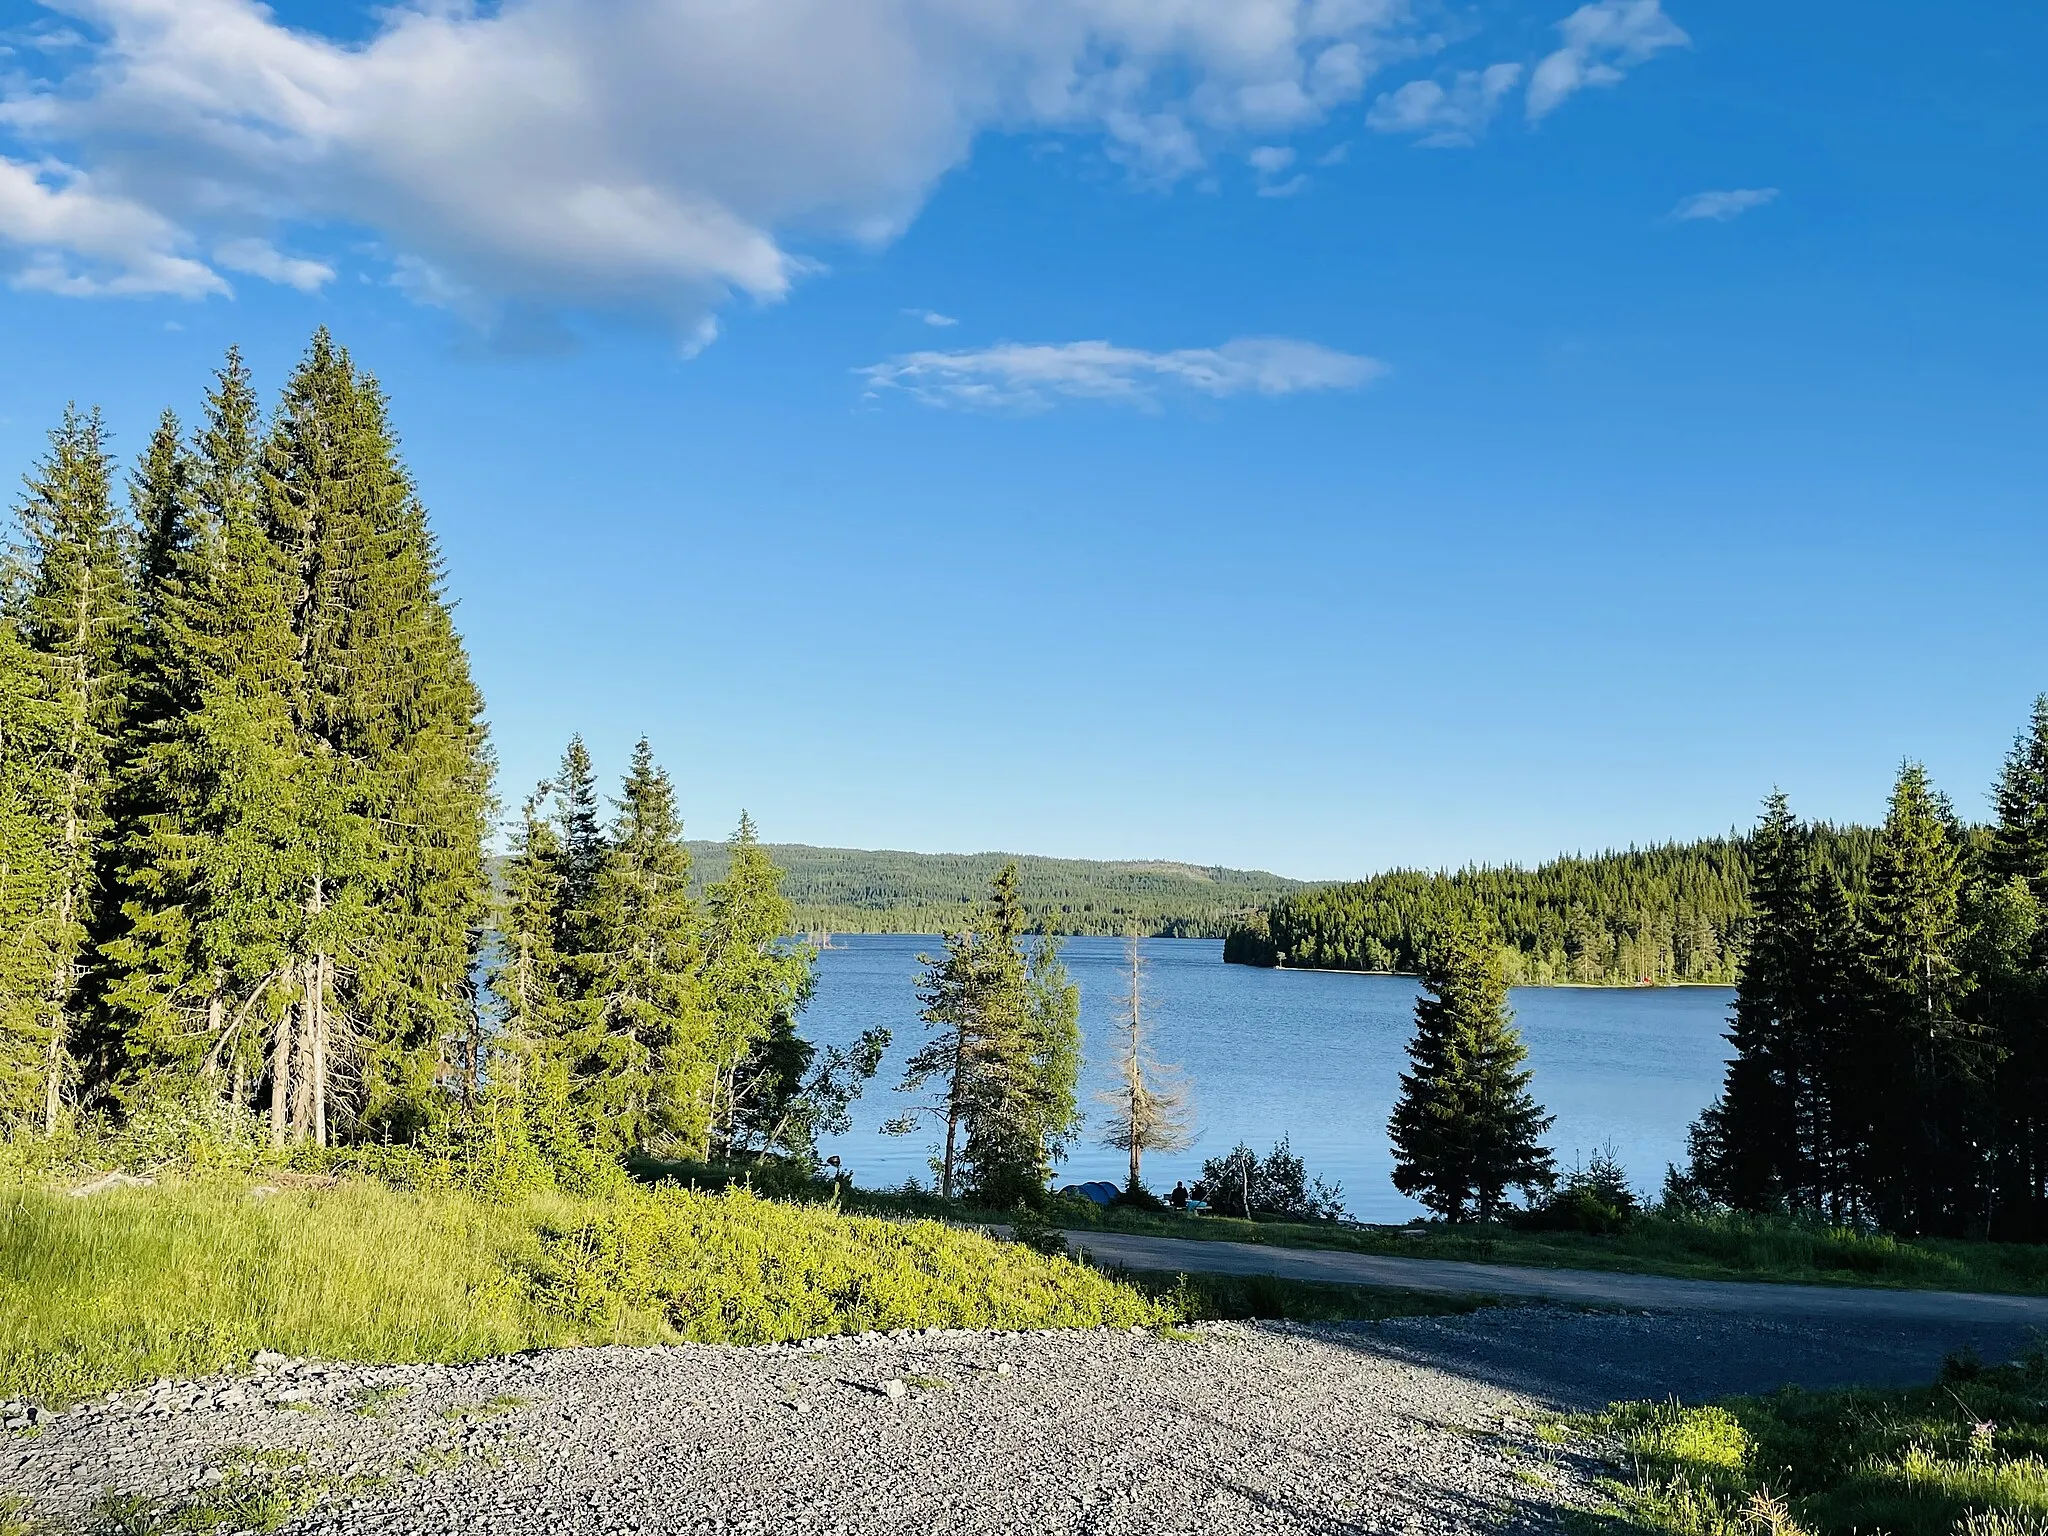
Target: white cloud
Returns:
[[83, 243], [654, 157], [646, 155], [259, 258], [1602, 42], [1271, 161], [1723, 206], [1445, 117], [931, 317], [1013, 376]]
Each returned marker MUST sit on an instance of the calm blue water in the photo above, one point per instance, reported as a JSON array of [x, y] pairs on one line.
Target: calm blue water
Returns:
[[1303, 1054]]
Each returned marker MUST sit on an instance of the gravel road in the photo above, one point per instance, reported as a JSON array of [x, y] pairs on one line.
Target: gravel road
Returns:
[[1414, 1426], [1587, 1287]]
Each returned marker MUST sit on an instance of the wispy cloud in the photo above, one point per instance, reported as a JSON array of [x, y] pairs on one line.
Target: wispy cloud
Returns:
[[259, 258], [1602, 42], [1722, 206], [83, 242], [931, 317], [1272, 162], [1016, 376], [1445, 117]]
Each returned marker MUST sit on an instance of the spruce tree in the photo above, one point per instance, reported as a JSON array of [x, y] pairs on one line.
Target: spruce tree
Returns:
[[394, 767], [525, 982], [1926, 1156], [1754, 1127], [76, 613], [579, 832], [1004, 1055], [1465, 1127], [2019, 834], [754, 979], [212, 852], [638, 1052], [32, 869], [2010, 912]]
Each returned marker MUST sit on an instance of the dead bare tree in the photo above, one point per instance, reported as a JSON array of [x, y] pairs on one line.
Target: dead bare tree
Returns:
[[1150, 1108]]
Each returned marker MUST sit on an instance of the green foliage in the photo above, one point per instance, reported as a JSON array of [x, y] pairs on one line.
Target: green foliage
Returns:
[[192, 1277], [755, 983], [1465, 1127], [1004, 1057], [1595, 1198], [1202, 1297], [1277, 1186], [256, 1491], [31, 874], [1890, 1058], [1957, 1456], [639, 1048], [853, 890], [74, 611], [1667, 914]]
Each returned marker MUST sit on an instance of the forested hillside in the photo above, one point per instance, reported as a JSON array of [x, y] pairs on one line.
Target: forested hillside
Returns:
[[853, 890], [1677, 912]]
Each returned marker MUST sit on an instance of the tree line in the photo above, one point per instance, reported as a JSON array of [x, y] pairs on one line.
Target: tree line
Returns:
[[245, 794], [1678, 912], [853, 890], [1891, 1024]]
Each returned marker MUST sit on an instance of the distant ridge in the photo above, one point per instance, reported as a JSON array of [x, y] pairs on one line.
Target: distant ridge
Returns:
[[861, 890]]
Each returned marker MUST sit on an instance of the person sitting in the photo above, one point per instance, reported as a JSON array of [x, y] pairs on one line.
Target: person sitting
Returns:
[[1179, 1198]]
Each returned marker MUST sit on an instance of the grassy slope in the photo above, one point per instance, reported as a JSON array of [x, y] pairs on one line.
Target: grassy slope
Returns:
[[883, 891], [1969, 1455], [1712, 1248], [192, 1278]]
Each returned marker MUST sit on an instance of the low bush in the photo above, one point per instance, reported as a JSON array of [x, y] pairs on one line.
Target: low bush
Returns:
[[1243, 1184], [1595, 1198]]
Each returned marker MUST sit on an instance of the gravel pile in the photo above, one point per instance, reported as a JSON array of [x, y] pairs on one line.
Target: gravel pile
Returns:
[[1414, 1426]]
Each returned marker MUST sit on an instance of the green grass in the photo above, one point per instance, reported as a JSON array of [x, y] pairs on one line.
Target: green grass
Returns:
[[1730, 1247], [1198, 1296], [258, 1491], [193, 1277], [1967, 1455]]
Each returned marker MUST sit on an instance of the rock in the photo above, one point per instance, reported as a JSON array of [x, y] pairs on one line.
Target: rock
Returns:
[[269, 1359], [115, 1180], [894, 1388]]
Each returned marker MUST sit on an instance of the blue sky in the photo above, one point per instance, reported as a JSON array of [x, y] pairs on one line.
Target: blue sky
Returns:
[[1368, 433]]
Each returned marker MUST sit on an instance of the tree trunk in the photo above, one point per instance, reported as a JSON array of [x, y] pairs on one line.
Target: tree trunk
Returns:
[[281, 1077], [63, 973], [319, 1002]]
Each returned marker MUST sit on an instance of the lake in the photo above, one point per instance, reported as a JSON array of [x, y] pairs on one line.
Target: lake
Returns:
[[1310, 1055]]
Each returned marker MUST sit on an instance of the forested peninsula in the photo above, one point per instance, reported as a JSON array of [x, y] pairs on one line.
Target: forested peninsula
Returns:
[[855, 890], [1677, 912]]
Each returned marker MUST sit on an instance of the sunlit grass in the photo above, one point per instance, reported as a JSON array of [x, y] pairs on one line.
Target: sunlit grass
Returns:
[[1969, 1457], [193, 1277]]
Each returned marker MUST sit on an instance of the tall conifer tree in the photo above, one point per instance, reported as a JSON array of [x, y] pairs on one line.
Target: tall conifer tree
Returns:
[[213, 852], [32, 870], [77, 616], [754, 978], [1465, 1127], [2011, 910], [1926, 1139], [639, 1050]]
